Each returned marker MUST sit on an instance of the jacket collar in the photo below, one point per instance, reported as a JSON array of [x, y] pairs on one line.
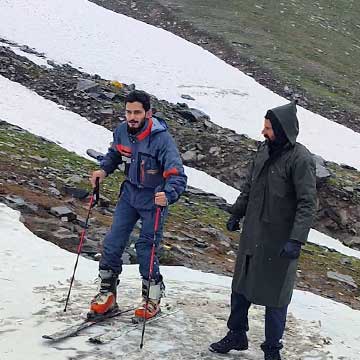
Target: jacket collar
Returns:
[[147, 130]]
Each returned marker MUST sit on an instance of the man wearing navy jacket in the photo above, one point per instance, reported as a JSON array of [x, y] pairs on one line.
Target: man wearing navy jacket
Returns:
[[154, 178]]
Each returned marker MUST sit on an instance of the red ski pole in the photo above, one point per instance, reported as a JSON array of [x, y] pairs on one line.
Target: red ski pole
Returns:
[[93, 201], [151, 266]]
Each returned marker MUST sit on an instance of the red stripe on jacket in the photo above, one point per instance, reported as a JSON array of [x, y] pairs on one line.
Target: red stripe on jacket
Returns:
[[124, 150], [146, 132], [172, 171]]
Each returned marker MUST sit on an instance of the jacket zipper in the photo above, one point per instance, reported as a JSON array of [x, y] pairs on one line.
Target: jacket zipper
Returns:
[[142, 172]]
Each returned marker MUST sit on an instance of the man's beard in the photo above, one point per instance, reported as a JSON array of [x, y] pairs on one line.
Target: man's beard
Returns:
[[267, 139], [134, 130]]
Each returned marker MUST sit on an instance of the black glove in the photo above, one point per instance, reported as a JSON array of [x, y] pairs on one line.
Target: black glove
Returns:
[[233, 223], [291, 249]]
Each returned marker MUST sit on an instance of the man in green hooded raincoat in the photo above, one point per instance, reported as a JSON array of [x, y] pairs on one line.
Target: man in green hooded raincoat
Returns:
[[278, 201]]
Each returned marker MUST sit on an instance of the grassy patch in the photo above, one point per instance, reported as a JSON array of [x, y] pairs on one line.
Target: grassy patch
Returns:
[[300, 41]]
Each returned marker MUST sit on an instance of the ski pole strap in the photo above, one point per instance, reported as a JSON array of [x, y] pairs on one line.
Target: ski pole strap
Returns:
[[96, 192], [157, 219]]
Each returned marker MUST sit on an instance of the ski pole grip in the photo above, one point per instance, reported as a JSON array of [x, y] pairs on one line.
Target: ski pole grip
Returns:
[[96, 192]]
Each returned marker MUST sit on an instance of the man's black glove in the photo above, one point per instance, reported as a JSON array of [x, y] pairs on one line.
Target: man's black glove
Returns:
[[233, 223], [291, 249]]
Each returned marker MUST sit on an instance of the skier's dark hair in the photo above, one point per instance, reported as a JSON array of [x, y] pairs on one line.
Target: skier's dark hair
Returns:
[[139, 96]]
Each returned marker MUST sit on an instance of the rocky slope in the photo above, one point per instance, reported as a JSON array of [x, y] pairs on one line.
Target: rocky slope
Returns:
[[42, 181]]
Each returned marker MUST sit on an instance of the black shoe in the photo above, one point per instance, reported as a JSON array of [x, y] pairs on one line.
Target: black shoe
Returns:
[[272, 356], [271, 352], [232, 341]]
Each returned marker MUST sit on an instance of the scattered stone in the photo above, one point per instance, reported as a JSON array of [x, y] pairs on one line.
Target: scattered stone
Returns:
[[76, 192], [322, 172], [187, 97], [17, 200], [215, 150], [74, 179], [345, 261], [54, 191], [106, 111], [38, 158], [63, 212], [193, 115], [347, 279], [219, 236], [189, 155], [86, 85], [347, 167]]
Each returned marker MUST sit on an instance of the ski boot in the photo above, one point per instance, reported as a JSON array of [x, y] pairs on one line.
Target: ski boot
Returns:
[[105, 301], [232, 341], [156, 292]]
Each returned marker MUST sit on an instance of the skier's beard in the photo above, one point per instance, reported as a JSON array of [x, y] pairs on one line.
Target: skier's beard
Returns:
[[134, 130]]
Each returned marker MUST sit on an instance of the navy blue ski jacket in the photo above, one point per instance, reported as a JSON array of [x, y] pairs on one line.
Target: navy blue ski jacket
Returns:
[[151, 158]]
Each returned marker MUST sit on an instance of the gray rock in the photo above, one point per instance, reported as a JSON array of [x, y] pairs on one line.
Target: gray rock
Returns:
[[74, 179], [193, 115], [63, 211], [189, 155], [54, 191], [347, 279], [66, 236], [349, 189], [109, 95], [208, 124], [86, 85], [38, 158], [347, 167], [76, 192], [223, 239], [353, 241], [80, 221], [106, 111], [215, 150], [201, 245], [288, 90], [187, 97], [345, 261], [15, 200], [321, 171]]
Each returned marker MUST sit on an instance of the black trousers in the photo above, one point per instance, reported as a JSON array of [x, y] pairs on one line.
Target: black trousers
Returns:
[[275, 319]]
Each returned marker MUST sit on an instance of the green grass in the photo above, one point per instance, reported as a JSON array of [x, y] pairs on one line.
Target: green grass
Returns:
[[312, 44]]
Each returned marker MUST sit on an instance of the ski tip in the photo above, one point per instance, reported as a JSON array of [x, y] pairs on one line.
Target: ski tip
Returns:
[[47, 337]]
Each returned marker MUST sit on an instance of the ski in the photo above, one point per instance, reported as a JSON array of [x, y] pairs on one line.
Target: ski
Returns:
[[95, 154], [75, 329], [136, 324]]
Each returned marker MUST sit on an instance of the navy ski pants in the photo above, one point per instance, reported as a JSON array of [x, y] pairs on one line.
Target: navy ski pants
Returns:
[[275, 319], [133, 204]]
